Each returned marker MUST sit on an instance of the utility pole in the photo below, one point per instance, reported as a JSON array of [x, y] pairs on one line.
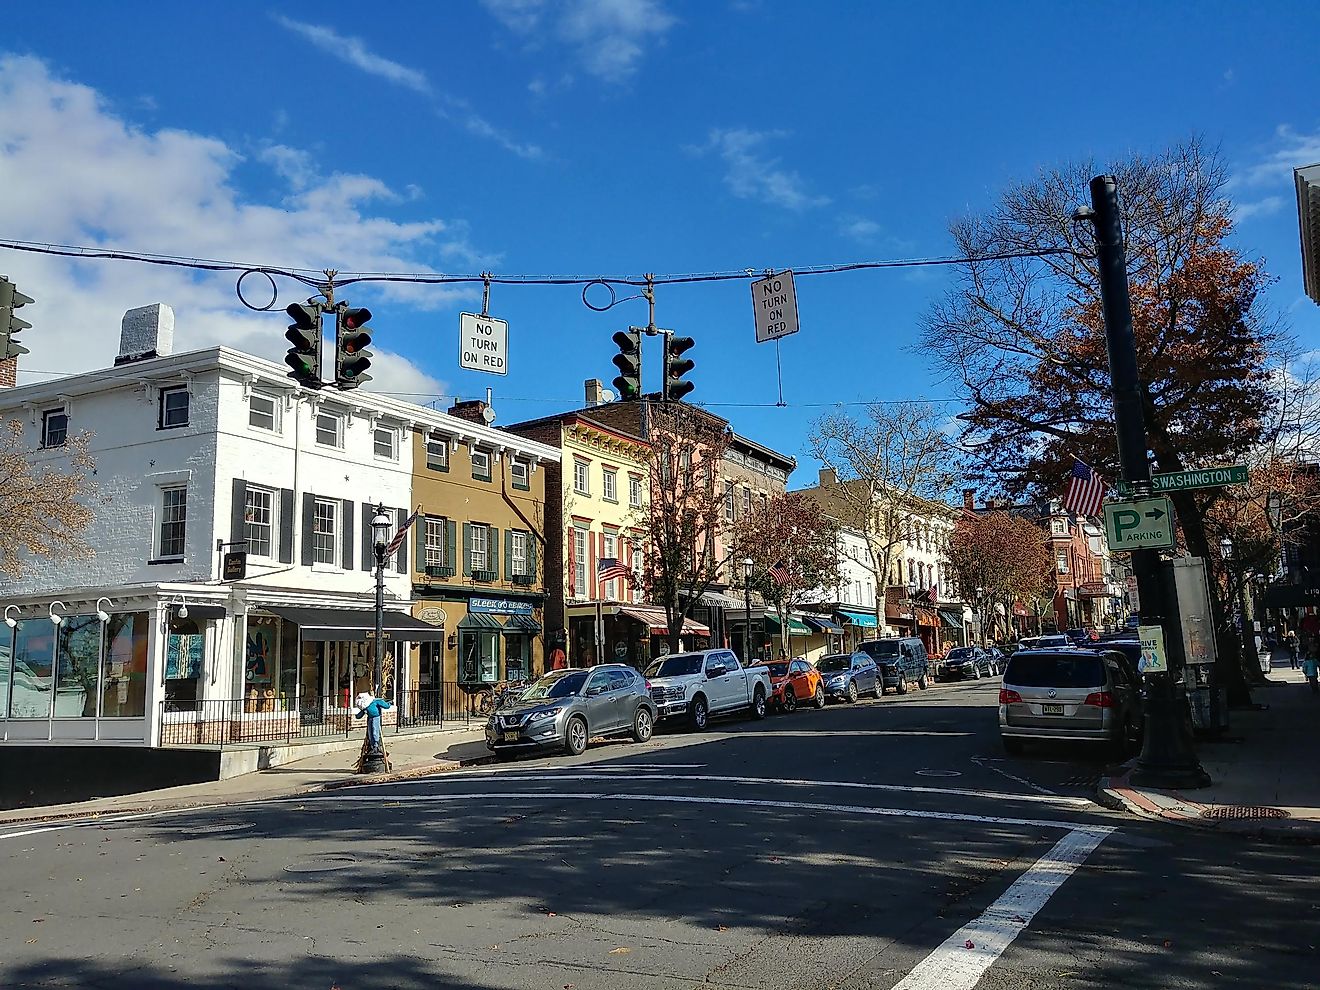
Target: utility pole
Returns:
[[1168, 753]]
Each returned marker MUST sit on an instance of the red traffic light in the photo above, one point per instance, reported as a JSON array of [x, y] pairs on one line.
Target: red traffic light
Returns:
[[355, 319]]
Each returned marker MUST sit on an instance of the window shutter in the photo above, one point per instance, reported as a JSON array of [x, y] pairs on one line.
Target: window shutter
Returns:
[[467, 549], [493, 549], [451, 551], [309, 509], [508, 555], [531, 555], [401, 559], [286, 526], [368, 551], [346, 538], [419, 545], [592, 590], [237, 513]]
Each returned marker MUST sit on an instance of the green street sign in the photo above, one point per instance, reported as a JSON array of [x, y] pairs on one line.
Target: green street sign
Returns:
[[1146, 524], [1178, 481]]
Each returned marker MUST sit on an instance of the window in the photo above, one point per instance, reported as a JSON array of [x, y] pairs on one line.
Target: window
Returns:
[[437, 554], [582, 477], [747, 502], [325, 519], [481, 465], [1061, 561], [386, 441], [637, 569], [730, 510], [518, 552], [54, 428], [765, 503], [610, 548], [173, 408], [1060, 527], [480, 556], [173, 521], [259, 521], [329, 430], [858, 587], [264, 412], [437, 453], [518, 470], [580, 562], [635, 492], [610, 486]]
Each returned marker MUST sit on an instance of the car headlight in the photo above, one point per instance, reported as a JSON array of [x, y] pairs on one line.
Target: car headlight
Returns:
[[837, 681], [538, 717]]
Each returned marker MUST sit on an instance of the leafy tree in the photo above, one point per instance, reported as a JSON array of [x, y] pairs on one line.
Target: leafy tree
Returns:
[[794, 534], [43, 496], [1024, 337], [999, 558]]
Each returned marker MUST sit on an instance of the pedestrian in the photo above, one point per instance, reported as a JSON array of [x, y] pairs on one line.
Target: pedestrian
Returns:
[[1311, 668], [557, 659], [1290, 641]]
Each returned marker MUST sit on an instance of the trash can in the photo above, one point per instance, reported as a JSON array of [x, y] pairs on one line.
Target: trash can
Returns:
[[1206, 700]]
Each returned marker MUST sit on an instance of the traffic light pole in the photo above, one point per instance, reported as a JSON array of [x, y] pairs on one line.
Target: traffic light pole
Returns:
[[1168, 753]]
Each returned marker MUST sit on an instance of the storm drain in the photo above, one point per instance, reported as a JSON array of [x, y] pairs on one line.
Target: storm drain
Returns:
[[1242, 811]]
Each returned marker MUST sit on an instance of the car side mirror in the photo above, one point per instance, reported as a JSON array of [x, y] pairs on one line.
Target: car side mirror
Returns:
[[717, 671]]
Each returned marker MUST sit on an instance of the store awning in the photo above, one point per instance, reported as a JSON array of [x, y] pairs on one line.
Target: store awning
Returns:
[[858, 618], [479, 620], [950, 619], [795, 626], [926, 617], [654, 619], [519, 624], [714, 599], [822, 624], [355, 625]]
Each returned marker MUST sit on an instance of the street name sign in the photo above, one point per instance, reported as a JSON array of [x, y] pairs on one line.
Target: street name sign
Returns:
[[774, 300], [1178, 481], [483, 344], [1154, 659], [1145, 524]]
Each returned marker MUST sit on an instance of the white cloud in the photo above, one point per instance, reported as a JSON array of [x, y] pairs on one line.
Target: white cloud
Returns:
[[1289, 150], [608, 37], [75, 173], [752, 172], [1261, 208], [859, 228]]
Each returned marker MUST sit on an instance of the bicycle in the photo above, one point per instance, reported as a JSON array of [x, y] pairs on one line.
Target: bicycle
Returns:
[[494, 696]]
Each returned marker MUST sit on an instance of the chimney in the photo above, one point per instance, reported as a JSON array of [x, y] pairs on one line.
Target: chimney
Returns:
[[828, 476], [145, 333], [9, 372], [470, 409], [992, 504], [594, 389], [969, 499]]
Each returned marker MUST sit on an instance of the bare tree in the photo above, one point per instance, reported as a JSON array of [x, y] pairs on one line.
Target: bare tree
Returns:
[[43, 500], [890, 464]]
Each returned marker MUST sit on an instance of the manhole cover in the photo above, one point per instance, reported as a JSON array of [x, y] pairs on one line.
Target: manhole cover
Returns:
[[322, 864], [1243, 811], [939, 773], [223, 827]]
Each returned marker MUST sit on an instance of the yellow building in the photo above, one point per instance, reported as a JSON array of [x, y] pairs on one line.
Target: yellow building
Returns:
[[479, 551]]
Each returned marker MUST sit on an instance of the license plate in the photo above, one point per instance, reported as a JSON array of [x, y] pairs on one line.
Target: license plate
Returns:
[[1052, 709], [510, 736]]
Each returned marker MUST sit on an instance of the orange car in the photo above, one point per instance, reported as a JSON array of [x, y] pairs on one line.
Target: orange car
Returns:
[[794, 682]]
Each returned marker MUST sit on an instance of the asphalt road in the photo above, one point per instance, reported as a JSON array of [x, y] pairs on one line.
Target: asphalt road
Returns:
[[886, 844]]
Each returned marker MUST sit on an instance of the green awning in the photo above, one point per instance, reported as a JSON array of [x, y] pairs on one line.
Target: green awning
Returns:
[[950, 619], [795, 627], [479, 620], [521, 624]]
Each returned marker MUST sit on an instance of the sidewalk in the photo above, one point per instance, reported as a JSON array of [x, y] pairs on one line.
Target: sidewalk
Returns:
[[1264, 778], [410, 756]]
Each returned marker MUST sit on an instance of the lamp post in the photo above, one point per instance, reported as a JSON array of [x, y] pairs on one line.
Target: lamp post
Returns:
[[748, 563], [380, 537]]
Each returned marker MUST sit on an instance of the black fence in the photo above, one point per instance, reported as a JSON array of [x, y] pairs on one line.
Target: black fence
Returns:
[[278, 718]]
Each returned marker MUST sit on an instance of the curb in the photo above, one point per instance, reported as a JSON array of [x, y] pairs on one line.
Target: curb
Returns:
[[429, 770]]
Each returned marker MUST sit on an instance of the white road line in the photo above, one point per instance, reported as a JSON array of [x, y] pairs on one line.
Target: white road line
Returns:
[[586, 773], [954, 966], [111, 819], [850, 809], [980, 761]]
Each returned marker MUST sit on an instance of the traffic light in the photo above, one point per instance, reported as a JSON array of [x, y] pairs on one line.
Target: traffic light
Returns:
[[676, 366], [304, 334], [352, 359], [10, 300], [629, 363]]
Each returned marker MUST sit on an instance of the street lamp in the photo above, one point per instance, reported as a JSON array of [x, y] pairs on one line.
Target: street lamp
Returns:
[[748, 563], [373, 760]]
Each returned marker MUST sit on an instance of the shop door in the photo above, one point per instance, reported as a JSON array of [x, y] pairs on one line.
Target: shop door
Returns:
[[311, 690]]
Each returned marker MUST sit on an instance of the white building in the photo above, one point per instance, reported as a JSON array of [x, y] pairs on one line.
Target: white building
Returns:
[[198, 453]]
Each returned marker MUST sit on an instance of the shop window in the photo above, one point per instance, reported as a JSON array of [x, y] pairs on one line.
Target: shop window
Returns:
[[184, 649], [173, 408], [34, 662], [54, 427], [479, 656], [124, 666], [262, 654], [77, 666]]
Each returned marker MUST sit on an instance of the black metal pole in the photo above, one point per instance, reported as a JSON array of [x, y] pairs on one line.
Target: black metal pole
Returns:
[[1168, 753], [747, 604], [373, 760]]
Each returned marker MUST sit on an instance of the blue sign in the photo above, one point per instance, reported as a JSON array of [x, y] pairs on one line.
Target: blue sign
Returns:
[[500, 606]]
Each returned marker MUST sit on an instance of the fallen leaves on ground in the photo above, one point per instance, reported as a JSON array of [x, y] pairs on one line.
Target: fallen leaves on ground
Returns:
[[620, 951], [969, 944]]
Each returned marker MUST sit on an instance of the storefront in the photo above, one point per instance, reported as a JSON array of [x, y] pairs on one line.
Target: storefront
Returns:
[[798, 633], [608, 632], [487, 639], [827, 636], [857, 627], [952, 631]]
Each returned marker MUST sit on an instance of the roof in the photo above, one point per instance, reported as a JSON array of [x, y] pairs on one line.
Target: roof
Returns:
[[748, 445], [1307, 180]]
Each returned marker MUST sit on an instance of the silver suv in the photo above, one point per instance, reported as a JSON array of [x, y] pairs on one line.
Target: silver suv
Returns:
[[1069, 694], [565, 708]]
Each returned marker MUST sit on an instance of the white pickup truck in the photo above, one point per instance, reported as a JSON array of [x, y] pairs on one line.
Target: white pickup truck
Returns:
[[705, 683]]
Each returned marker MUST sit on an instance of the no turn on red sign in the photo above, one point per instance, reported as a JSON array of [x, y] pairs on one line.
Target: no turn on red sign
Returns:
[[774, 300]]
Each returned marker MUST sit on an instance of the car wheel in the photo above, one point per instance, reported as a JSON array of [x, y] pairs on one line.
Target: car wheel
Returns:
[[698, 714], [1013, 747], [758, 703], [852, 692], [575, 736], [820, 696], [790, 701], [902, 685], [922, 682], [976, 672], [643, 725]]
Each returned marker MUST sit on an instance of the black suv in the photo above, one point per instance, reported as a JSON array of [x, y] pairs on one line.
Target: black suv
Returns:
[[902, 661]]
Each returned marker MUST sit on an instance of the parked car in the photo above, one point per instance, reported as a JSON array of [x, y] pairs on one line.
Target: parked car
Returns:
[[794, 682], [848, 675], [902, 661], [965, 663], [1127, 648], [1049, 641], [565, 708], [998, 659], [1068, 694], [707, 682]]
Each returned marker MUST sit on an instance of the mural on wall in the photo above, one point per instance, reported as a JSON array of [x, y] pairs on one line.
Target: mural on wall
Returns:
[[261, 649]]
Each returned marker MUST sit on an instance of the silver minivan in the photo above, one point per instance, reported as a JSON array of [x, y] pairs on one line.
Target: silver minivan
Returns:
[[1068, 694]]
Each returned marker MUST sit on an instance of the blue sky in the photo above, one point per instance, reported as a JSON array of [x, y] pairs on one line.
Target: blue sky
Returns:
[[604, 137]]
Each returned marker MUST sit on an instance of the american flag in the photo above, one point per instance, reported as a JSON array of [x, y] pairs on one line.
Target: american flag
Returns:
[[779, 573], [609, 568], [1085, 491], [392, 547]]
